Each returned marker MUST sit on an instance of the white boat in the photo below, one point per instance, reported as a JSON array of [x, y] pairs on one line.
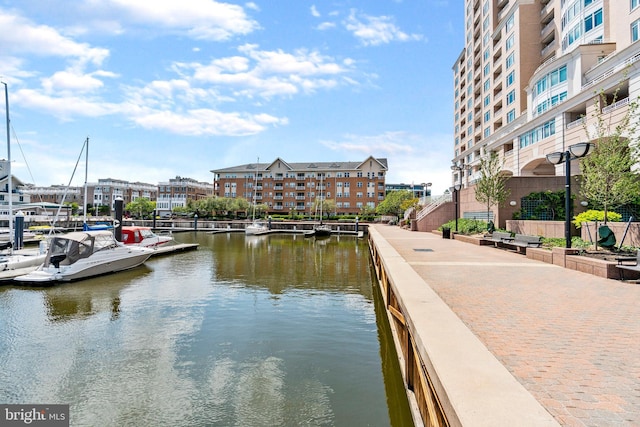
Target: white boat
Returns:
[[256, 227], [143, 236], [82, 254]]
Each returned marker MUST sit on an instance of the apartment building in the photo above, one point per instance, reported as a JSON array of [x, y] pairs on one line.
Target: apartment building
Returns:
[[177, 191], [525, 83], [105, 191], [287, 187]]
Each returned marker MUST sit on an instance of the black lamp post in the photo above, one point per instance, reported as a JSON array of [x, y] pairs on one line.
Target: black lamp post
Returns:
[[574, 152], [457, 187]]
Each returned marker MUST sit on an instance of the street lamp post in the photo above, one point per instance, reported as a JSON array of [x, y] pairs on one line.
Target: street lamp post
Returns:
[[457, 187], [425, 186], [574, 152]]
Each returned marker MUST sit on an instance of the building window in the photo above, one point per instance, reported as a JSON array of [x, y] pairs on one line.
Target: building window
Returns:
[[541, 132], [487, 100], [487, 132], [509, 23], [634, 4], [510, 42], [511, 96], [635, 30], [510, 60], [593, 21], [511, 116], [487, 116], [510, 78]]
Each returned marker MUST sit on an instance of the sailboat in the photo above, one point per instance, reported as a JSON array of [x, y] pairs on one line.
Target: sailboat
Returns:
[[321, 230], [15, 262], [256, 227]]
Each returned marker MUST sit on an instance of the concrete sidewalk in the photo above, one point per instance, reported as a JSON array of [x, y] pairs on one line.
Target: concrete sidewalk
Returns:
[[570, 338]]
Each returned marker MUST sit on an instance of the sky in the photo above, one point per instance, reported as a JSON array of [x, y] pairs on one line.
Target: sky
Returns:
[[170, 88]]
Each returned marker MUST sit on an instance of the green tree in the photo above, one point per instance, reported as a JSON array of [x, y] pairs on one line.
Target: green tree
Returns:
[[393, 202], [491, 187], [328, 206], [608, 180], [141, 207]]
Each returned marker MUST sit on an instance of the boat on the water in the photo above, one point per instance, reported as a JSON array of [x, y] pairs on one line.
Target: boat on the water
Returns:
[[83, 254], [322, 230], [143, 236], [256, 227]]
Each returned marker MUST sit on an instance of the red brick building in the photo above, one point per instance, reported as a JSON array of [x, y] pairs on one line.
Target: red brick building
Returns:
[[293, 187]]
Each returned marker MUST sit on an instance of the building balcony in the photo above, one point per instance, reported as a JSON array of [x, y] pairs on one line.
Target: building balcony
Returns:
[[299, 197], [278, 187], [278, 178], [277, 207], [278, 198]]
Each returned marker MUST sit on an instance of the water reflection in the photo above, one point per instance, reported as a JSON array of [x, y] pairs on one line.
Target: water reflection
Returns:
[[271, 330]]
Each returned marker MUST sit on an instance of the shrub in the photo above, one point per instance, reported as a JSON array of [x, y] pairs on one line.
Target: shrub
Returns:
[[593, 215], [466, 226]]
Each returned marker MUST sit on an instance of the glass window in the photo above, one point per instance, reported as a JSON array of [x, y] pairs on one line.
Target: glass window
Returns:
[[511, 96], [634, 4], [635, 30], [510, 22], [510, 60], [511, 116], [510, 78], [510, 41]]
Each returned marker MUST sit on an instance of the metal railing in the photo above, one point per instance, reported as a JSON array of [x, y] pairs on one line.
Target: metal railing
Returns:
[[435, 203]]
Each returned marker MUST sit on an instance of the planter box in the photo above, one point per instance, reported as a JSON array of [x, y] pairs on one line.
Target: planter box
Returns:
[[540, 254], [597, 267], [569, 258]]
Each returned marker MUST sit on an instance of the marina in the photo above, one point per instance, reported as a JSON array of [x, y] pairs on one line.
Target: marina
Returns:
[[245, 330]]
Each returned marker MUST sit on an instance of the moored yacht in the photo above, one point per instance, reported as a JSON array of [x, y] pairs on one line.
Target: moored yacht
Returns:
[[143, 236], [84, 254]]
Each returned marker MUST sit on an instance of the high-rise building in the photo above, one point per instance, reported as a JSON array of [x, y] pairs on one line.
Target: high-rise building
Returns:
[[525, 84]]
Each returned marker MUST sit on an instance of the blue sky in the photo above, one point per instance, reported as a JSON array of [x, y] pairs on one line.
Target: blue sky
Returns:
[[165, 88]]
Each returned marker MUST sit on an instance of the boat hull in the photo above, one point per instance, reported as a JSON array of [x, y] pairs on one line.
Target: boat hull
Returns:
[[107, 263]]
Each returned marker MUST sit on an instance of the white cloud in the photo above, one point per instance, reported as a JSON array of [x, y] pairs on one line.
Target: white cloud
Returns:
[[200, 19], [270, 73], [326, 26], [207, 122], [73, 82], [64, 107], [251, 5], [376, 30], [21, 36], [314, 11]]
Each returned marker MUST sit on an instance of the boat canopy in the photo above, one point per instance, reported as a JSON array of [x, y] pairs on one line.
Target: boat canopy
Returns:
[[77, 245]]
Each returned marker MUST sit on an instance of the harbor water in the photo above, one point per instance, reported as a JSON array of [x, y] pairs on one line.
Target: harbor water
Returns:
[[276, 330]]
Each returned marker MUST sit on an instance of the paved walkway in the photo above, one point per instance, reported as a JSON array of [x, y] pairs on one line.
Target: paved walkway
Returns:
[[570, 338]]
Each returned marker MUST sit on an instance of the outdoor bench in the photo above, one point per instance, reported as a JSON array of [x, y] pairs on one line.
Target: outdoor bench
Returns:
[[629, 267], [522, 241], [499, 237]]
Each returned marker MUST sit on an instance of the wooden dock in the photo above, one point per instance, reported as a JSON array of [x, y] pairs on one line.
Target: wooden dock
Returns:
[[171, 249]]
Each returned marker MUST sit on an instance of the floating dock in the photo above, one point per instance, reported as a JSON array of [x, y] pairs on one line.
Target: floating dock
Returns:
[[171, 249]]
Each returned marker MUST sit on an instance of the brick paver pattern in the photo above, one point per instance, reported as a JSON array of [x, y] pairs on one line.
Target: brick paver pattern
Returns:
[[572, 339]]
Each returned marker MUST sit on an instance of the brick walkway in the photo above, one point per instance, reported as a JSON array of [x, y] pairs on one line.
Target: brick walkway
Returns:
[[571, 339]]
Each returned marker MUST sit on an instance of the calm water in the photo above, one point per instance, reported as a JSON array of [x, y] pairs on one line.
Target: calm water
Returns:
[[245, 331]]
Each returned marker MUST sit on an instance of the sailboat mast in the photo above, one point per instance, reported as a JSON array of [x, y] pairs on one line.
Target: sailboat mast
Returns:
[[86, 174], [9, 180]]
